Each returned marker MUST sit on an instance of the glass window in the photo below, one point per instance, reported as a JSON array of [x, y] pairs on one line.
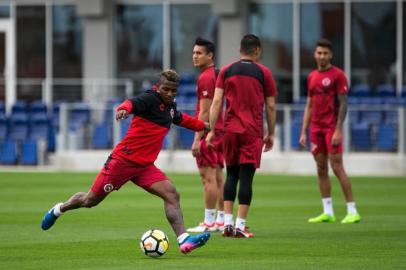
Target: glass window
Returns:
[[67, 42], [139, 36], [273, 25], [4, 11], [373, 43], [188, 22], [320, 20], [30, 55], [31, 51]]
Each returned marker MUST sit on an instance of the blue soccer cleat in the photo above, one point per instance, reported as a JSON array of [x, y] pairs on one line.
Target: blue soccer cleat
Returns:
[[49, 219], [194, 241]]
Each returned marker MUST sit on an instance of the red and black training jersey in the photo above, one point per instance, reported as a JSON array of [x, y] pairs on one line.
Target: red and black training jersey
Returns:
[[246, 84], [323, 88], [151, 122], [205, 89]]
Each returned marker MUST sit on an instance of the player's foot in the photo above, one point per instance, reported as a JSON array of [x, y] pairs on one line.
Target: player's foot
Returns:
[[219, 226], [49, 219], [322, 218], [238, 233], [194, 241], [351, 218], [203, 227], [228, 231]]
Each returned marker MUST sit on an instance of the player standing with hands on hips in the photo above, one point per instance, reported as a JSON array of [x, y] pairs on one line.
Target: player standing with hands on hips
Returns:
[[325, 111], [247, 86], [133, 158]]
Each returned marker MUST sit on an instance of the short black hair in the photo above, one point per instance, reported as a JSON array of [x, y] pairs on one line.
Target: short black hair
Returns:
[[323, 42], [207, 44], [249, 43]]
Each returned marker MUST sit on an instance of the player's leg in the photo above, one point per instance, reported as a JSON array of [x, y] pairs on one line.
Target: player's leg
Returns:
[[246, 175], [220, 198], [230, 193], [112, 176], [165, 190], [319, 151], [208, 177], [336, 162]]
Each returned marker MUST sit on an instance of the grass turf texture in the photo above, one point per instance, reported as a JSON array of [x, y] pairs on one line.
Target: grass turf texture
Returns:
[[107, 236]]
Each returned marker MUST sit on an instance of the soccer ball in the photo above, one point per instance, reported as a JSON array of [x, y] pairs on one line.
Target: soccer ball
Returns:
[[154, 243]]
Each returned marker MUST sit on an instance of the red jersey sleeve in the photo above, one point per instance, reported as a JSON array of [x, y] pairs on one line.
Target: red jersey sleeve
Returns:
[[270, 85], [205, 87], [341, 83], [126, 105], [220, 79], [187, 121], [309, 89]]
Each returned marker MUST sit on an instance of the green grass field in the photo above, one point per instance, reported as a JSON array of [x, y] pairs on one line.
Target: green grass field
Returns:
[[107, 237]]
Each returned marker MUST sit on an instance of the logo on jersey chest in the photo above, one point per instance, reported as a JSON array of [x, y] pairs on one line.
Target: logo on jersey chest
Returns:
[[326, 82]]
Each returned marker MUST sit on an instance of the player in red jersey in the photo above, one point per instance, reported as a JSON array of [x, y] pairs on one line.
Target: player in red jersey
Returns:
[[325, 111], [209, 161], [133, 158], [247, 86]]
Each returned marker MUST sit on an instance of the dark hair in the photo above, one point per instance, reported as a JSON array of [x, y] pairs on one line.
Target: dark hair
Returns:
[[324, 43], [207, 44], [170, 75], [249, 43]]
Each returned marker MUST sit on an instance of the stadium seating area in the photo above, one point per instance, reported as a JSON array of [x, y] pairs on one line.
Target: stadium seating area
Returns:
[[373, 117]]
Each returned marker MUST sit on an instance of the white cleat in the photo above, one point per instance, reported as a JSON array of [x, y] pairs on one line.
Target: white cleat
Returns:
[[203, 227]]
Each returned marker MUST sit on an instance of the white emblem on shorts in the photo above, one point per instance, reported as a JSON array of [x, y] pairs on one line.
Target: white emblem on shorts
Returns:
[[313, 147], [108, 187], [326, 82]]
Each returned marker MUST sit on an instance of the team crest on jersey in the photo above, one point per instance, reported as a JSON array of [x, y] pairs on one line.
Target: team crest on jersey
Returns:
[[326, 82], [205, 93], [162, 107], [108, 187], [172, 113], [313, 147]]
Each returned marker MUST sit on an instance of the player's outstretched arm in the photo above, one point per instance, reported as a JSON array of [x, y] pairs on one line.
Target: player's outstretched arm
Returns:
[[124, 109]]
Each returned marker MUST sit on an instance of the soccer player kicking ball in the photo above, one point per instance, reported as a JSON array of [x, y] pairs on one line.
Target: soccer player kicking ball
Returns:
[[133, 158], [325, 111]]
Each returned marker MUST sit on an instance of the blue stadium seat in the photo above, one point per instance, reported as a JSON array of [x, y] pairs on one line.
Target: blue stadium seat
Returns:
[[186, 137], [361, 90], [386, 90], [386, 137], [187, 90], [18, 127], [8, 152], [353, 100], [371, 117], [80, 113], [29, 152], [403, 92], [295, 130], [124, 126], [371, 100], [39, 126], [361, 137], [187, 78], [3, 126], [391, 117], [101, 138], [2, 107], [297, 115], [353, 116], [19, 107], [38, 107]]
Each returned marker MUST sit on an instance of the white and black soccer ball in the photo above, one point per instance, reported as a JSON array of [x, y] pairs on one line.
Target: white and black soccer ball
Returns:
[[154, 243]]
